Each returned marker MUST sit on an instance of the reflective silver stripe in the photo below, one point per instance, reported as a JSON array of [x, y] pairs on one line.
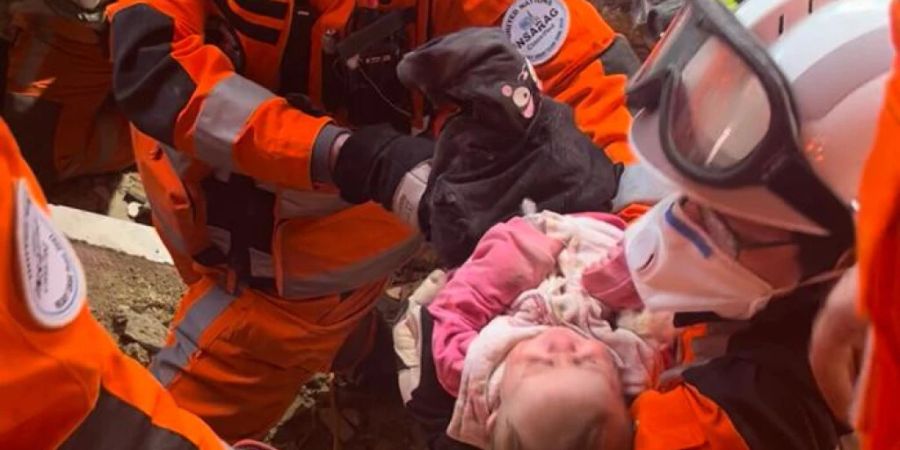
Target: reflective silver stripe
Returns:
[[293, 203], [321, 151], [262, 265], [222, 117], [409, 192], [179, 161], [220, 237], [35, 55], [174, 358], [351, 277]]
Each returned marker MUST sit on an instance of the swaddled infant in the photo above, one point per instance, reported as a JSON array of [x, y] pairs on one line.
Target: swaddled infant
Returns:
[[524, 336]]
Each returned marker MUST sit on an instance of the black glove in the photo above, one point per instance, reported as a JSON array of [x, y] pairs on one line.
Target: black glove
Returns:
[[374, 160]]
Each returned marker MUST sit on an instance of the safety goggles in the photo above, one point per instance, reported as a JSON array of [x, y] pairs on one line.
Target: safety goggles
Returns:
[[726, 114]]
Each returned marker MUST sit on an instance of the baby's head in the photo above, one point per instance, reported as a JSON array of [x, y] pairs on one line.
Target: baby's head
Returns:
[[560, 390]]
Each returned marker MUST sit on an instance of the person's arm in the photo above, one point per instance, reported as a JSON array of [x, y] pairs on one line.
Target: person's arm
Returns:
[[186, 94], [511, 258], [584, 72], [65, 384]]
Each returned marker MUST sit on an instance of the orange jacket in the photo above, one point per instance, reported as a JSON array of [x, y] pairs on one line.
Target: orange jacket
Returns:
[[63, 382], [187, 95], [878, 231], [743, 385]]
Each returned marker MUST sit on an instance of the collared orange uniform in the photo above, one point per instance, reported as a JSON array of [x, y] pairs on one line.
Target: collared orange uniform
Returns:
[[63, 382], [229, 100]]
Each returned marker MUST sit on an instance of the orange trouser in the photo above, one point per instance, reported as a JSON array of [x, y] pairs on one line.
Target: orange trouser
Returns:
[[63, 382], [238, 361], [59, 102]]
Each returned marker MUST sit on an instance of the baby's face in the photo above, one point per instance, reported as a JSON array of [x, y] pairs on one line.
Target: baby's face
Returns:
[[562, 380], [558, 350]]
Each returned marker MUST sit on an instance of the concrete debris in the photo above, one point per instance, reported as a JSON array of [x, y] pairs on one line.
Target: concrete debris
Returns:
[[136, 351], [143, 329]]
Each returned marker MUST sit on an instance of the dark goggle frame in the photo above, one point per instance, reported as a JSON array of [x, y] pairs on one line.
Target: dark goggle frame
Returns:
[[776, 161]]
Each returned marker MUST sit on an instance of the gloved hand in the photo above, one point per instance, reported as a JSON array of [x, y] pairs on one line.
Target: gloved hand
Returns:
[[374, 160]]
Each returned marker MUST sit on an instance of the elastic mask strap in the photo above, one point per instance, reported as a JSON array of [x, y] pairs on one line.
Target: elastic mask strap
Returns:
[[823, 277]]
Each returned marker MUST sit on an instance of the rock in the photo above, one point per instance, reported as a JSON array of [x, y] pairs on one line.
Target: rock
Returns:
[[145, 330], [136, 351]]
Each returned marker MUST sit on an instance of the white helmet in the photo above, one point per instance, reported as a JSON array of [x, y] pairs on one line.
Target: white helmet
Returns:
[[766, 114]]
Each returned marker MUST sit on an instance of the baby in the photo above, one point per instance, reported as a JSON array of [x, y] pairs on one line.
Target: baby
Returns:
[[522, 336]]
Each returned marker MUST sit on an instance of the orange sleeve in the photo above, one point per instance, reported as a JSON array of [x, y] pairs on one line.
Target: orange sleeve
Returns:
[[682, 418], [878, 238], [68, 384], [574, 75], [186, 94]]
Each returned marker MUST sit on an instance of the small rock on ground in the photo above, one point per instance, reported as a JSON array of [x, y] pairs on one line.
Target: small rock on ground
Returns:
[[138, 352], [144, 329]]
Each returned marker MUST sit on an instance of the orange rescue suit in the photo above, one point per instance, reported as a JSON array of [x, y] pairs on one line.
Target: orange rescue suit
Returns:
[[68, 386], [280, 268], [878, 229], [59, 100]]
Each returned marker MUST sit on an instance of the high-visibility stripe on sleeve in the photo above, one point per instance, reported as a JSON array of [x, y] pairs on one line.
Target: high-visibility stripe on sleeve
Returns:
[[227, 108], [173, 358], [114, 424]]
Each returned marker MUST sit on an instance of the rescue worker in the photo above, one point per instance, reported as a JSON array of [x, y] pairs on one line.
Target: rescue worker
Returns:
[[744, 269], [58, 100], [254, 189], [64, 382], [767, 160], [844, 322]]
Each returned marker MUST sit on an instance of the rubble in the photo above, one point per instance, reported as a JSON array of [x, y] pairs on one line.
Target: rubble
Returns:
[[136, 351], [143, 329]]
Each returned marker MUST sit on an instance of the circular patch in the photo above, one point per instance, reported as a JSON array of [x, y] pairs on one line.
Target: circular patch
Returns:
[[50, 274], [537, 28]]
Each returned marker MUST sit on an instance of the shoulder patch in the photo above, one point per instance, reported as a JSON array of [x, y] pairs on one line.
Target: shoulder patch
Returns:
[[51, 277], [537, 28]]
